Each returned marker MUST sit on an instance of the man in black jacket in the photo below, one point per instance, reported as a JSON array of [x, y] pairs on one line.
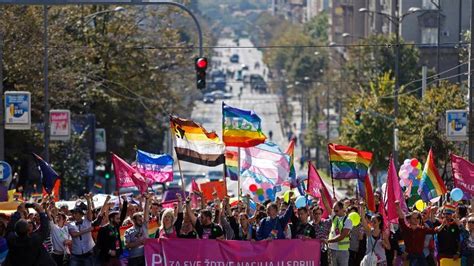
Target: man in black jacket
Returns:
[[108, 239], [26, 247]]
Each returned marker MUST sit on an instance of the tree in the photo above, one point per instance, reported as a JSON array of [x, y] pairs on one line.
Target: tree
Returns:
[[418, 121]]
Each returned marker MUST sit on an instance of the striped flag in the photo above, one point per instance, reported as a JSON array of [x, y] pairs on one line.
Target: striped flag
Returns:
[[232, 163], [291, 152], [431, 184], [241, 127], [348, 163], [194, 144], [48, 175], [155, 167]]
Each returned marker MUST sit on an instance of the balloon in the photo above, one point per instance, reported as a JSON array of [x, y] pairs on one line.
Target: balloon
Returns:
[[260, 191], [286, 196], [403, 174], [457, 194], [261, 198], [253, 188], [355, 218], [415, 172], [300, 202], [409, 168], [414, 162], [420, 205], [419, 166], [406, 162], [404, 182], [411, 176], [269, 191]]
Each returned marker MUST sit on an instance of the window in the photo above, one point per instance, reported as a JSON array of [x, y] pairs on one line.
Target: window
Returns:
[[428, 5], [429, 35]]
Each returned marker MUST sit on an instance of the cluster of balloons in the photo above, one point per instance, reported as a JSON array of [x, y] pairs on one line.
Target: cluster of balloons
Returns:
[[410, 173]]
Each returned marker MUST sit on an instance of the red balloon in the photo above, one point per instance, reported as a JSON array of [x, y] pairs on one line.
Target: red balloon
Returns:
[[253, 188], [414, 162]]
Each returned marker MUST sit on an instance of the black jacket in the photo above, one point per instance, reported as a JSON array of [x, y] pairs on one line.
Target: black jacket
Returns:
[[29, 250], [109, 238]]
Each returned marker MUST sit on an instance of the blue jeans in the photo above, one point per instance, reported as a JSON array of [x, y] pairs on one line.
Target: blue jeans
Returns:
[[417, 260], [82, 260]]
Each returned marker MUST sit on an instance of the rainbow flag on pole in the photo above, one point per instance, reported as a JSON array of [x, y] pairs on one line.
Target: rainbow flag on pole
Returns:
[[431, 184], [241, 127], [231, 164], [348, 163], [291, 152]]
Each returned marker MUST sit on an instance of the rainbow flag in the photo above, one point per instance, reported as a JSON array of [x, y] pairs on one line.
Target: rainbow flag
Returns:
[[291, 152], [98, 185], [241, 127], [366, 192], [348, 163], [431, 184], [231, 164]]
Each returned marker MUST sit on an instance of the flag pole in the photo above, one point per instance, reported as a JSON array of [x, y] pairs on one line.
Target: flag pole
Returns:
[[183, 185], [238, 177], [223, 166], [330, 173]]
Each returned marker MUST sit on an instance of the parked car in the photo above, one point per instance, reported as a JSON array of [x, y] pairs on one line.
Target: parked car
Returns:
[[221, 95], [234, 58], [215, 175], [208, 98]]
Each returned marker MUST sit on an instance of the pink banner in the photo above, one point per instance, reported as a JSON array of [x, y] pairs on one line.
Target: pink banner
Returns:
[[463, 172], [195, 252]]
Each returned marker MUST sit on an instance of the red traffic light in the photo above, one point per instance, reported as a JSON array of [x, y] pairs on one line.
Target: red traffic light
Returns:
[[201, 63]]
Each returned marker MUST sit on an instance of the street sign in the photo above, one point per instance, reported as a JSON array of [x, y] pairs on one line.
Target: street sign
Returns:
[[60, 125], [5, 171], [100, 140], [17, 110], [456, 125]]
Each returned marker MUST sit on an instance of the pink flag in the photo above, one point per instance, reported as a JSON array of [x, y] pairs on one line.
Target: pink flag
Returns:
[[194, 197], [382, 212], [394, 193], [463, 172], [127, 176], [317, 189]]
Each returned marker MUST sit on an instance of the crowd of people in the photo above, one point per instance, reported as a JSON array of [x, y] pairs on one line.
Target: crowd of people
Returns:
[[87, 235]]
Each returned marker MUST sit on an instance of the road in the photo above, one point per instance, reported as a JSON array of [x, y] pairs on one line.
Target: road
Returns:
[[265, 105]]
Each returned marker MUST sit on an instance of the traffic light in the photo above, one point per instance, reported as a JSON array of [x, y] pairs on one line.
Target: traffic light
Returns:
[[201, 66], [358, 119], [107, 175]]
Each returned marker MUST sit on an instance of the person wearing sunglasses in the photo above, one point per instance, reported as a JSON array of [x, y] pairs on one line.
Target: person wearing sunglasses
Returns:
[[338, 241]]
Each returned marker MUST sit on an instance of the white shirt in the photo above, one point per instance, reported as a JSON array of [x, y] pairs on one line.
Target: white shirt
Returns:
[[83, 243], [58, 236]]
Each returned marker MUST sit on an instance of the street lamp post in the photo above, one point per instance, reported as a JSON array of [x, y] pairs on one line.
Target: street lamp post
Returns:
[[396, 21]]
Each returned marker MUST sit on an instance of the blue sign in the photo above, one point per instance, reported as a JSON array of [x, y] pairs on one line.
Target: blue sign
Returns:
[[17, 110], [5, 171], [456, 125]]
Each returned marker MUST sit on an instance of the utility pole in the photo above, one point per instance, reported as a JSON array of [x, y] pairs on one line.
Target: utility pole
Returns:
[[2, 109], [46, 83], [397, 83], [471, 89]]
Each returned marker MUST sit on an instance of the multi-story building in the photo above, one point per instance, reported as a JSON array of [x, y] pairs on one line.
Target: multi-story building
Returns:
[[422, 28]]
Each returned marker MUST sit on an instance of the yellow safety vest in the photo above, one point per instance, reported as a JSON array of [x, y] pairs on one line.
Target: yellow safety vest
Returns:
[[345, 243]]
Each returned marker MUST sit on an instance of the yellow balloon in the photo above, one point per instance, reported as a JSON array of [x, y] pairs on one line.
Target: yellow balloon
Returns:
[[286, 196], [420, 205]]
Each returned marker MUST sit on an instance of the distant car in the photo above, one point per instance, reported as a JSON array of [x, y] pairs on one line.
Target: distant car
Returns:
[[244, 67], [234, 58], [208, 98], [221, 95]]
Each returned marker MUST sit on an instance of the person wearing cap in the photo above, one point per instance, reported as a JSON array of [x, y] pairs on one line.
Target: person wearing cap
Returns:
[[80, 231], [109, 243], [136, 235], [449, 237]]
